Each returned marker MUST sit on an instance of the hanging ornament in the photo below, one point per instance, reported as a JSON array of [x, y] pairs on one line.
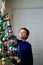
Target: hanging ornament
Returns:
[[3, 59], [9, 21], [1, 21], [3, 62], [10, 31]]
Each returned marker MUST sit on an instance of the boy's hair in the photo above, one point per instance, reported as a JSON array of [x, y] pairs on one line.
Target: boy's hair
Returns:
[[27, 31]]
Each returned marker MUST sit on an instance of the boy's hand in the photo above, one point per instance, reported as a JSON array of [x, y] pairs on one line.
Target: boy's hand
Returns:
[[18, 60]]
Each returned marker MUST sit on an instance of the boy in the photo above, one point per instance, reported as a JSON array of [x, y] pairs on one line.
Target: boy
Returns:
[[25, 49]]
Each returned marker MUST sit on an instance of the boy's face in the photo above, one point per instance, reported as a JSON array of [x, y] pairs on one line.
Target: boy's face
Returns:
[[22, 34]]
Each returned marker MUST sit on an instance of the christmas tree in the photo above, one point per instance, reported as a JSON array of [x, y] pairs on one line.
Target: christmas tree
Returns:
[[8, 41]]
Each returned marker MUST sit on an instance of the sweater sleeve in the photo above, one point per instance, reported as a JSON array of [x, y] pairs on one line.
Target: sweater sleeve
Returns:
[[30, 55]]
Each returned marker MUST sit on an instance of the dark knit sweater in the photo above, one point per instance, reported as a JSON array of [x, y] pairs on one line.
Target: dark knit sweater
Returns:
[[25, 52]]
